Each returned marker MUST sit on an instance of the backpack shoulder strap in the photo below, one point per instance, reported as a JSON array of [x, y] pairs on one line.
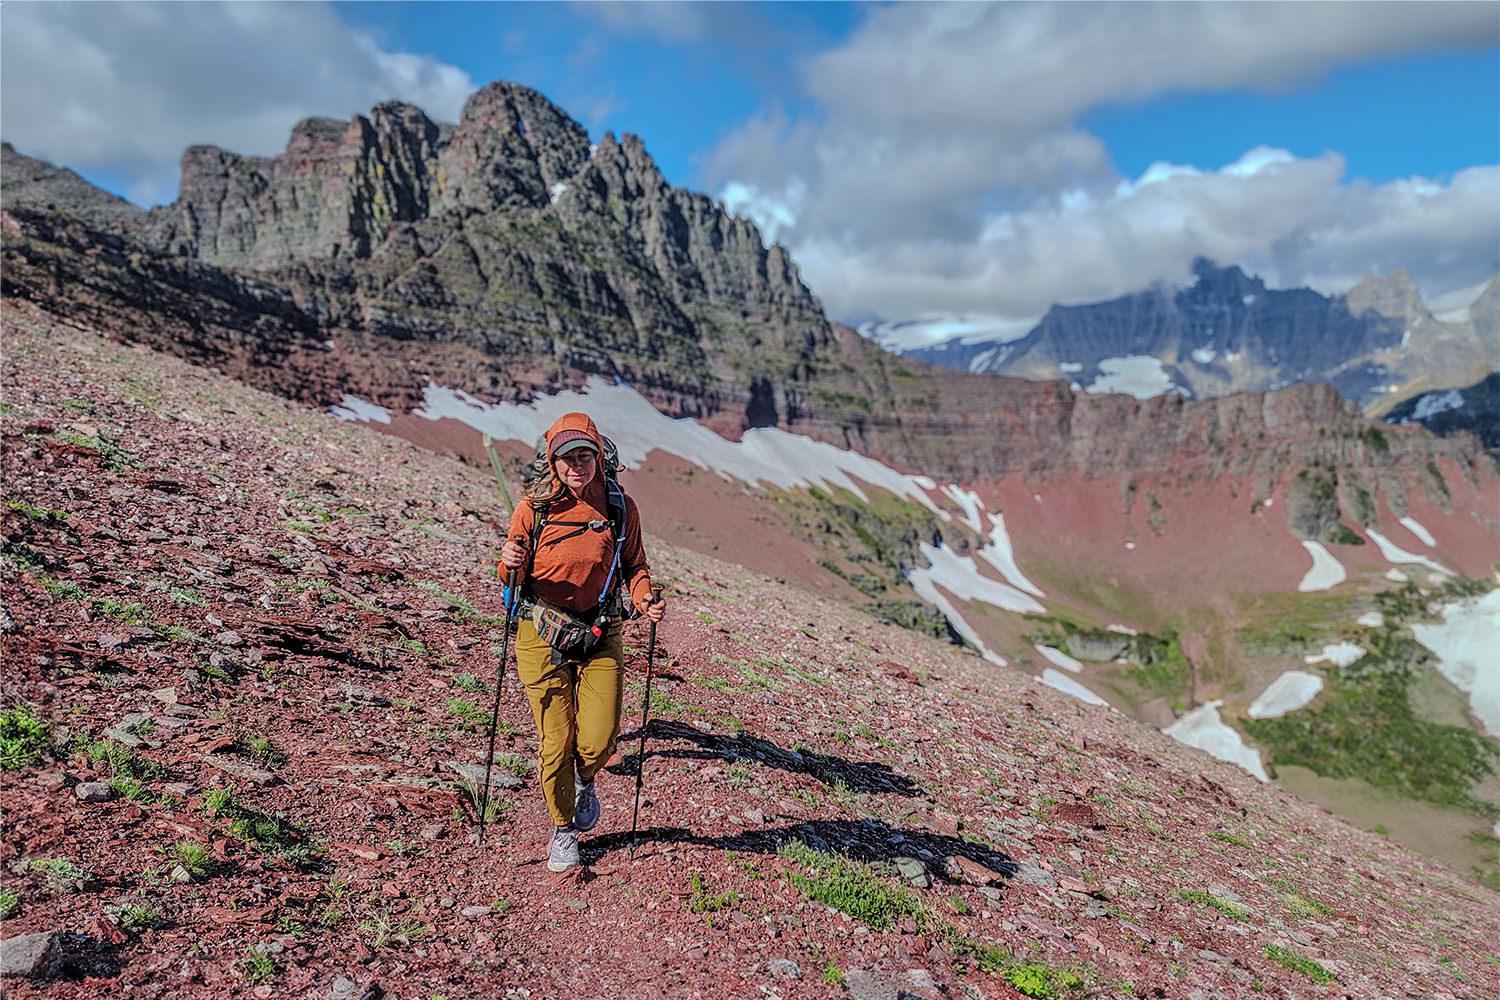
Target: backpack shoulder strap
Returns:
[[538, 522]]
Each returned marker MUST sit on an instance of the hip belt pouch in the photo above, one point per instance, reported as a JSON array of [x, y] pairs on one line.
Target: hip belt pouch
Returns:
[[570, 634]]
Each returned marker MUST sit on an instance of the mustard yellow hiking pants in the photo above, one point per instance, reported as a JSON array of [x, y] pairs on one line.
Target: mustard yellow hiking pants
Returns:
[[572, 739]]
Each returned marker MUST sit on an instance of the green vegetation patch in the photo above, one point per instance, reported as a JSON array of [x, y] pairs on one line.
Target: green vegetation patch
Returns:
[[871, 545], [1227, 907], [262, 831], [1364, 727], [848, 886], [1291, 960], [23, 737]]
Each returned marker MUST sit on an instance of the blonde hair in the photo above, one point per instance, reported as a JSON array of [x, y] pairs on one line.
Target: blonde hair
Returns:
[[545, 489]]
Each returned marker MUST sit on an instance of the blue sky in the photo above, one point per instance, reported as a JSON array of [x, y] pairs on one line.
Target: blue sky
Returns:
[[970, 163]]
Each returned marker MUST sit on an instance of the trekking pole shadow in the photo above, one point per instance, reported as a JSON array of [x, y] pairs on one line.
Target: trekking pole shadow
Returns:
[[863, 840], [869, 776]]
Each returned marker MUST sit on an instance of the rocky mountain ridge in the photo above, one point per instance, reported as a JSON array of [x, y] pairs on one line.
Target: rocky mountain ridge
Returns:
[[504, 256], [1227, 332]]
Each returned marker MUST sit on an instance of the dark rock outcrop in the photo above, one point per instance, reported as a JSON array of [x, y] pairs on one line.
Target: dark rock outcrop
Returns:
[[1475, 410]]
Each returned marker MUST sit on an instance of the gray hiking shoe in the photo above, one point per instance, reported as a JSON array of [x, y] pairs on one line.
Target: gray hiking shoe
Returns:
[[585, 806], [562, 853]]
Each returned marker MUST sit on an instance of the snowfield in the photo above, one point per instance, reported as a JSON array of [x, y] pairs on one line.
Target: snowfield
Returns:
[[1326, 573], [1067, 685], [1412, 525], [1467, 645], [1202, 728], [354, 408], [1139, 376], [1292, 690], [1395, 554], [1001, 555], [1061, 659], [1339, 654], [765, 456]]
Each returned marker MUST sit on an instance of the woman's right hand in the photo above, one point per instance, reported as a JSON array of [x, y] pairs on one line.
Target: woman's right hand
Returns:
[[512, 554]]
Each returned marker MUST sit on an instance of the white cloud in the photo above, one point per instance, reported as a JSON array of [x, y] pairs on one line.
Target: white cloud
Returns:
[[126, 87], [1020, 67], [942, 170]]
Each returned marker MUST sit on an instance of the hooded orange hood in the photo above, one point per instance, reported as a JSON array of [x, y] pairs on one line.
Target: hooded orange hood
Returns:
[[570, 426]]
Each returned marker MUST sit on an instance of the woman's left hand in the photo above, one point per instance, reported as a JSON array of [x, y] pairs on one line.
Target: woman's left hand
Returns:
[[654, 608]]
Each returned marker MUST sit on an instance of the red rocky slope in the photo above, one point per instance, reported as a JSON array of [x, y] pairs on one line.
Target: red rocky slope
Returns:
[[180, 545]]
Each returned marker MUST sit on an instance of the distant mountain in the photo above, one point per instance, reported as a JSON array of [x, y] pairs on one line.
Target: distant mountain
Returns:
[[1475, 409], [1227, 332]]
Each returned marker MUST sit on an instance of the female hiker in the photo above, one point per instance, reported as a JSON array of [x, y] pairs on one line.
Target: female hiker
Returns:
[[574, 549]]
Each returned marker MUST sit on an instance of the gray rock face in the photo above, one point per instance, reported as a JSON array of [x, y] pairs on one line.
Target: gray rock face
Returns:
[[28, 955], [36, 184], [1474, 409]]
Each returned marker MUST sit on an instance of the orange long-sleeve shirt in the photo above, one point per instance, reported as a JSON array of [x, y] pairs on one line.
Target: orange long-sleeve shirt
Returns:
[[570, 572]]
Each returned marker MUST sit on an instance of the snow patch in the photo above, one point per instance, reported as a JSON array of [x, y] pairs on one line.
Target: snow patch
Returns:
[[1001, 555], [1139, 376], [1467, 645], [1205, 355], [978, 362], [968, 501], [1396, 576], [1371, 619], [557, 190], [1069, 367], [1122, 629], [1292, 690], [1067, 685], [1130, 546], [1326, 573], [354, 408], [1396, 554], [957, 575], [1340, 654], [960, 577], [1247, 299], [1202, 728], [1434, 403], [925, 482], [1410, 524], [766, 455], [1061, 659]]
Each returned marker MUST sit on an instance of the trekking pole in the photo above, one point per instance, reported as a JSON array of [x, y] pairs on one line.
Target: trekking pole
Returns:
[[640, 771], [489, 449], [489, 758]]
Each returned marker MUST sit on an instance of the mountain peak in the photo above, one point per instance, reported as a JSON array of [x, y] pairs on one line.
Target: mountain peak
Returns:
[[1228, 281], [1394, 296]]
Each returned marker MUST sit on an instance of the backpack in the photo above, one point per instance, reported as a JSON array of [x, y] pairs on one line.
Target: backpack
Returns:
[[610, 601]]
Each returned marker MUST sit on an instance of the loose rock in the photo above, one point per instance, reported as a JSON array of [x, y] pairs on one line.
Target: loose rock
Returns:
[[93, 791]]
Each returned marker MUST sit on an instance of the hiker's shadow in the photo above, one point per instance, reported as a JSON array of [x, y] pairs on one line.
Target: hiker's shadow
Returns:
[[856, 776], [865, 840]]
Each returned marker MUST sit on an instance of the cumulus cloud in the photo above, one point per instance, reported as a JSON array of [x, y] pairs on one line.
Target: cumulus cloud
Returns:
[[126, 87], [943, 170]]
